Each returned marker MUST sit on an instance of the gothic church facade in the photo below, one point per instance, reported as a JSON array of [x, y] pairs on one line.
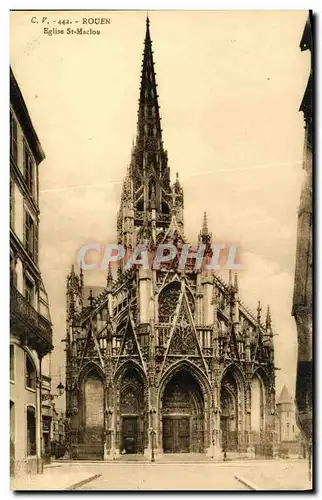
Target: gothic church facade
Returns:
[[165, 360]]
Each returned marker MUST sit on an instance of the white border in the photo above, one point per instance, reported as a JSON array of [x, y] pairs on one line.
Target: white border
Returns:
[[4, 171]]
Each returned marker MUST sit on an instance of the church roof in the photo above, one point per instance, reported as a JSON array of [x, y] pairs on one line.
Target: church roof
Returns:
[[284, 396]]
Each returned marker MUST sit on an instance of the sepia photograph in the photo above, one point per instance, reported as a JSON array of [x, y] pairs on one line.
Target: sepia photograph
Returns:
[[161, 250]]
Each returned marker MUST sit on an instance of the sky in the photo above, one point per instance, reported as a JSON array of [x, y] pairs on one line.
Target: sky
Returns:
[[230, 85]]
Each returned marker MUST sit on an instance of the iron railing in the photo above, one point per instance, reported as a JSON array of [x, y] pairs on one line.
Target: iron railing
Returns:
[[24, 311]]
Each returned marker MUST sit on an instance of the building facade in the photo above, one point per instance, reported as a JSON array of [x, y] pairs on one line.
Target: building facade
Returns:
[[58, 434], [30, 324], [165, 360], [289, 439], [302, 299]]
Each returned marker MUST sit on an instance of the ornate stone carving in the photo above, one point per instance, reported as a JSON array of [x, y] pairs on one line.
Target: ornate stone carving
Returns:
[[129, 393]]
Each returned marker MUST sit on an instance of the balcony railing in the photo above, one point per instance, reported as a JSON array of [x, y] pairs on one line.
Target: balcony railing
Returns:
[[30, 319]]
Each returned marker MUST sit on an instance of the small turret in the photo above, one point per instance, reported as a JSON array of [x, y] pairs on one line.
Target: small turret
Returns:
[[268, 320], [230, 279], [75, 286], [205, 236], [236, 286], [259, 311], [109, 279]]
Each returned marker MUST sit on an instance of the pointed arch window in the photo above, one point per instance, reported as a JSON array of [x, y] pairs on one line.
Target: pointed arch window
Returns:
[[168, 302], [165, 208], [150, 131], [129, 401], [151, 188], [140, 205]]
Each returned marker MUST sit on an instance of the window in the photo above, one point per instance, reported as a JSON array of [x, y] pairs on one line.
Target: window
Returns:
[[30, 374], [31, 431], [28, 168], [13, 274], [36, 244], [12, 204], [12, 362], [144, 340], [31, 237], [13, 138], [29, 291], [206, 342]]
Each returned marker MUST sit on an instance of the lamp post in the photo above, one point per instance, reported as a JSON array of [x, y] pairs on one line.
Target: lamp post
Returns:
[[152, 433], [152, 444]]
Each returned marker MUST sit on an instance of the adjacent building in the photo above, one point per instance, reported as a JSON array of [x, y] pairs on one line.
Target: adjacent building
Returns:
[[165, 360], [302, 299], [58, 434], [289, 439], [30, 324]]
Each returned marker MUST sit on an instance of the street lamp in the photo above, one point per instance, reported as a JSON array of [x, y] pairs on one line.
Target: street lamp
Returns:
[[152, 432], [60, 389], [152, 412]]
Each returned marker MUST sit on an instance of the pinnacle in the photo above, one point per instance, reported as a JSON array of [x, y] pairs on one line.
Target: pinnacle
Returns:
[[259, 310], [268, 318], [236, 286], [204, 230], [109, 275]]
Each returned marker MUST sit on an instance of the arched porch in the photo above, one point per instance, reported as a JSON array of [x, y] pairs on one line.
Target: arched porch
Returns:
[[232, 416], [183, 411], [131, 427]]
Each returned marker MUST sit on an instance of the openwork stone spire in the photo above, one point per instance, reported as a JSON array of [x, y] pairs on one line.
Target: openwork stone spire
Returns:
[[149, 134], [147, 184]]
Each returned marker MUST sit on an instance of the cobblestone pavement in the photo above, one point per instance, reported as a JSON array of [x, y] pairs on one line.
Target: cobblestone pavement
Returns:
[[122, 475]]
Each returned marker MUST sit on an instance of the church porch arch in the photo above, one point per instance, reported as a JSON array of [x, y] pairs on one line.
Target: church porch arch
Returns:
[[232, 405], [92, 412], [262, 415], [183, 410], [131, 433]]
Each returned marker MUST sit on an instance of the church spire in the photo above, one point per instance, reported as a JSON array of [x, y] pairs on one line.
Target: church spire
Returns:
[[149, 134], [147, 186]]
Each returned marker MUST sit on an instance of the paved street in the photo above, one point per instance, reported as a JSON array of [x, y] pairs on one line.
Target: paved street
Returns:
[[123, 475], [166, 477]]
